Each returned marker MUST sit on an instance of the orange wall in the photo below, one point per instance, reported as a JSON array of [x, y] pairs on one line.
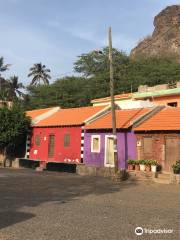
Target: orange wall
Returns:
[[164, 100]]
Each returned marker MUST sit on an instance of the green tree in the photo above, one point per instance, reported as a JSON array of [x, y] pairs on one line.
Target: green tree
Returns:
[[97, 62], [3, 67], [128, 73], [14, 88], [13, 128], [66, 92], [3, 83], [39, 73], [3, 89], [72, 91]]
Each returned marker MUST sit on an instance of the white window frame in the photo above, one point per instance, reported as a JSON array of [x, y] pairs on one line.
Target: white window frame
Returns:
[[105, 152], [98, 150]]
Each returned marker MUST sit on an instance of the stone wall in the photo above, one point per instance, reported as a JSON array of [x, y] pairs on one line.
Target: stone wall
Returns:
[[84, 170]]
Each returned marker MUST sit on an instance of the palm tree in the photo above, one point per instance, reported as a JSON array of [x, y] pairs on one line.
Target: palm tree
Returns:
[[3, 82], [13, 87], [39, 72], [3, 67]]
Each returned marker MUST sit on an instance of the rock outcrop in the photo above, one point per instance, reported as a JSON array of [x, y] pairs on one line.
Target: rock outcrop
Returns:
[[165, 40]]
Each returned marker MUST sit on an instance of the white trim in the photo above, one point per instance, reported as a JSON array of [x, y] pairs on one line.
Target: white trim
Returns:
[[99, 138], [105, 151], [82, 141], [27, 145], [82, 155], [82, 134], [45, 115], [82, 148]]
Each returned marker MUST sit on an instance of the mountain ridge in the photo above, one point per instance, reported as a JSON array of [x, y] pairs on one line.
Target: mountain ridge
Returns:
[[165, 39]]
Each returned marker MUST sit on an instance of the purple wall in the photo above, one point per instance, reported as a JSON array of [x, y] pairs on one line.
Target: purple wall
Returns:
[[126, 147]]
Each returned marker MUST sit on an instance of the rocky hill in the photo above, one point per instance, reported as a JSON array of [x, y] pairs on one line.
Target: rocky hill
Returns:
[[165, 39]]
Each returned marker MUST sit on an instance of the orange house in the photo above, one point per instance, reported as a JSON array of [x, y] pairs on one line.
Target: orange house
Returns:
[[167, 97]]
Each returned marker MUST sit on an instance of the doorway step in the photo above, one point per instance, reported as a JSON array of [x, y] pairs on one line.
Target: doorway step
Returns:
[[164, 178], [140, 175]]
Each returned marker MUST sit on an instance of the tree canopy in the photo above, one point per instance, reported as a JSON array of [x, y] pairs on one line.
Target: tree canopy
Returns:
[[93, 79], [75, 91]]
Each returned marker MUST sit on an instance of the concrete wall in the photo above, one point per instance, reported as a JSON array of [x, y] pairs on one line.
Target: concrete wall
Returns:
[[126, 149], [128, 104]]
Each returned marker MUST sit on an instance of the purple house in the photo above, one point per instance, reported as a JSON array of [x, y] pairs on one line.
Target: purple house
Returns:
[[98, 139]]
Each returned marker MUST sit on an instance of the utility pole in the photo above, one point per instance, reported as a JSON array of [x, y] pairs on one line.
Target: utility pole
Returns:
[[113, 111]]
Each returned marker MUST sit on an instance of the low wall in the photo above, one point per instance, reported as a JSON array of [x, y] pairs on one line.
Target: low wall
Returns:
[[141, 175], [84, 170]]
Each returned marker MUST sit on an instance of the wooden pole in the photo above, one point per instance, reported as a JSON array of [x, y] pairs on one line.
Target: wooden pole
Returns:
[[113, 112]]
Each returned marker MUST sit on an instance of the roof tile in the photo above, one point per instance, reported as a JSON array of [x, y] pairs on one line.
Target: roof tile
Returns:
[[37, 112], [71, 116], [167, 119], [124, 119]]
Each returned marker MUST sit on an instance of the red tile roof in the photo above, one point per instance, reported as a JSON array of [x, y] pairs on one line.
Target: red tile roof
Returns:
[[166, 119], [117, 97], [37, 112], [71, 116], [124, 119]]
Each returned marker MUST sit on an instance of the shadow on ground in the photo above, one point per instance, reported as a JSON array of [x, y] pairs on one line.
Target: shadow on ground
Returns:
[[20, 188], [8, 218]]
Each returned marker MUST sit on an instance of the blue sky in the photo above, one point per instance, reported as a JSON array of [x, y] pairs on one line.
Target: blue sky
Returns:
[[55, 32]]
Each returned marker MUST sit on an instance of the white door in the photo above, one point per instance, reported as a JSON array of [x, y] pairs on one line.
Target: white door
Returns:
[[109, 158]]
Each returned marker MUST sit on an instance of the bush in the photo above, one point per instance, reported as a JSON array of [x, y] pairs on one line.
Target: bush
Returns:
[[154, 163], [131, 162], [148, 162], [142, 162], [176, 167], [136, 162]]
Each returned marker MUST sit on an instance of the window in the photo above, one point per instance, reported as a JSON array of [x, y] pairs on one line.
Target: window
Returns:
[[51, 146], [38, 140], [95, 143], [148, 145], [172, 104], [67, 140]]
